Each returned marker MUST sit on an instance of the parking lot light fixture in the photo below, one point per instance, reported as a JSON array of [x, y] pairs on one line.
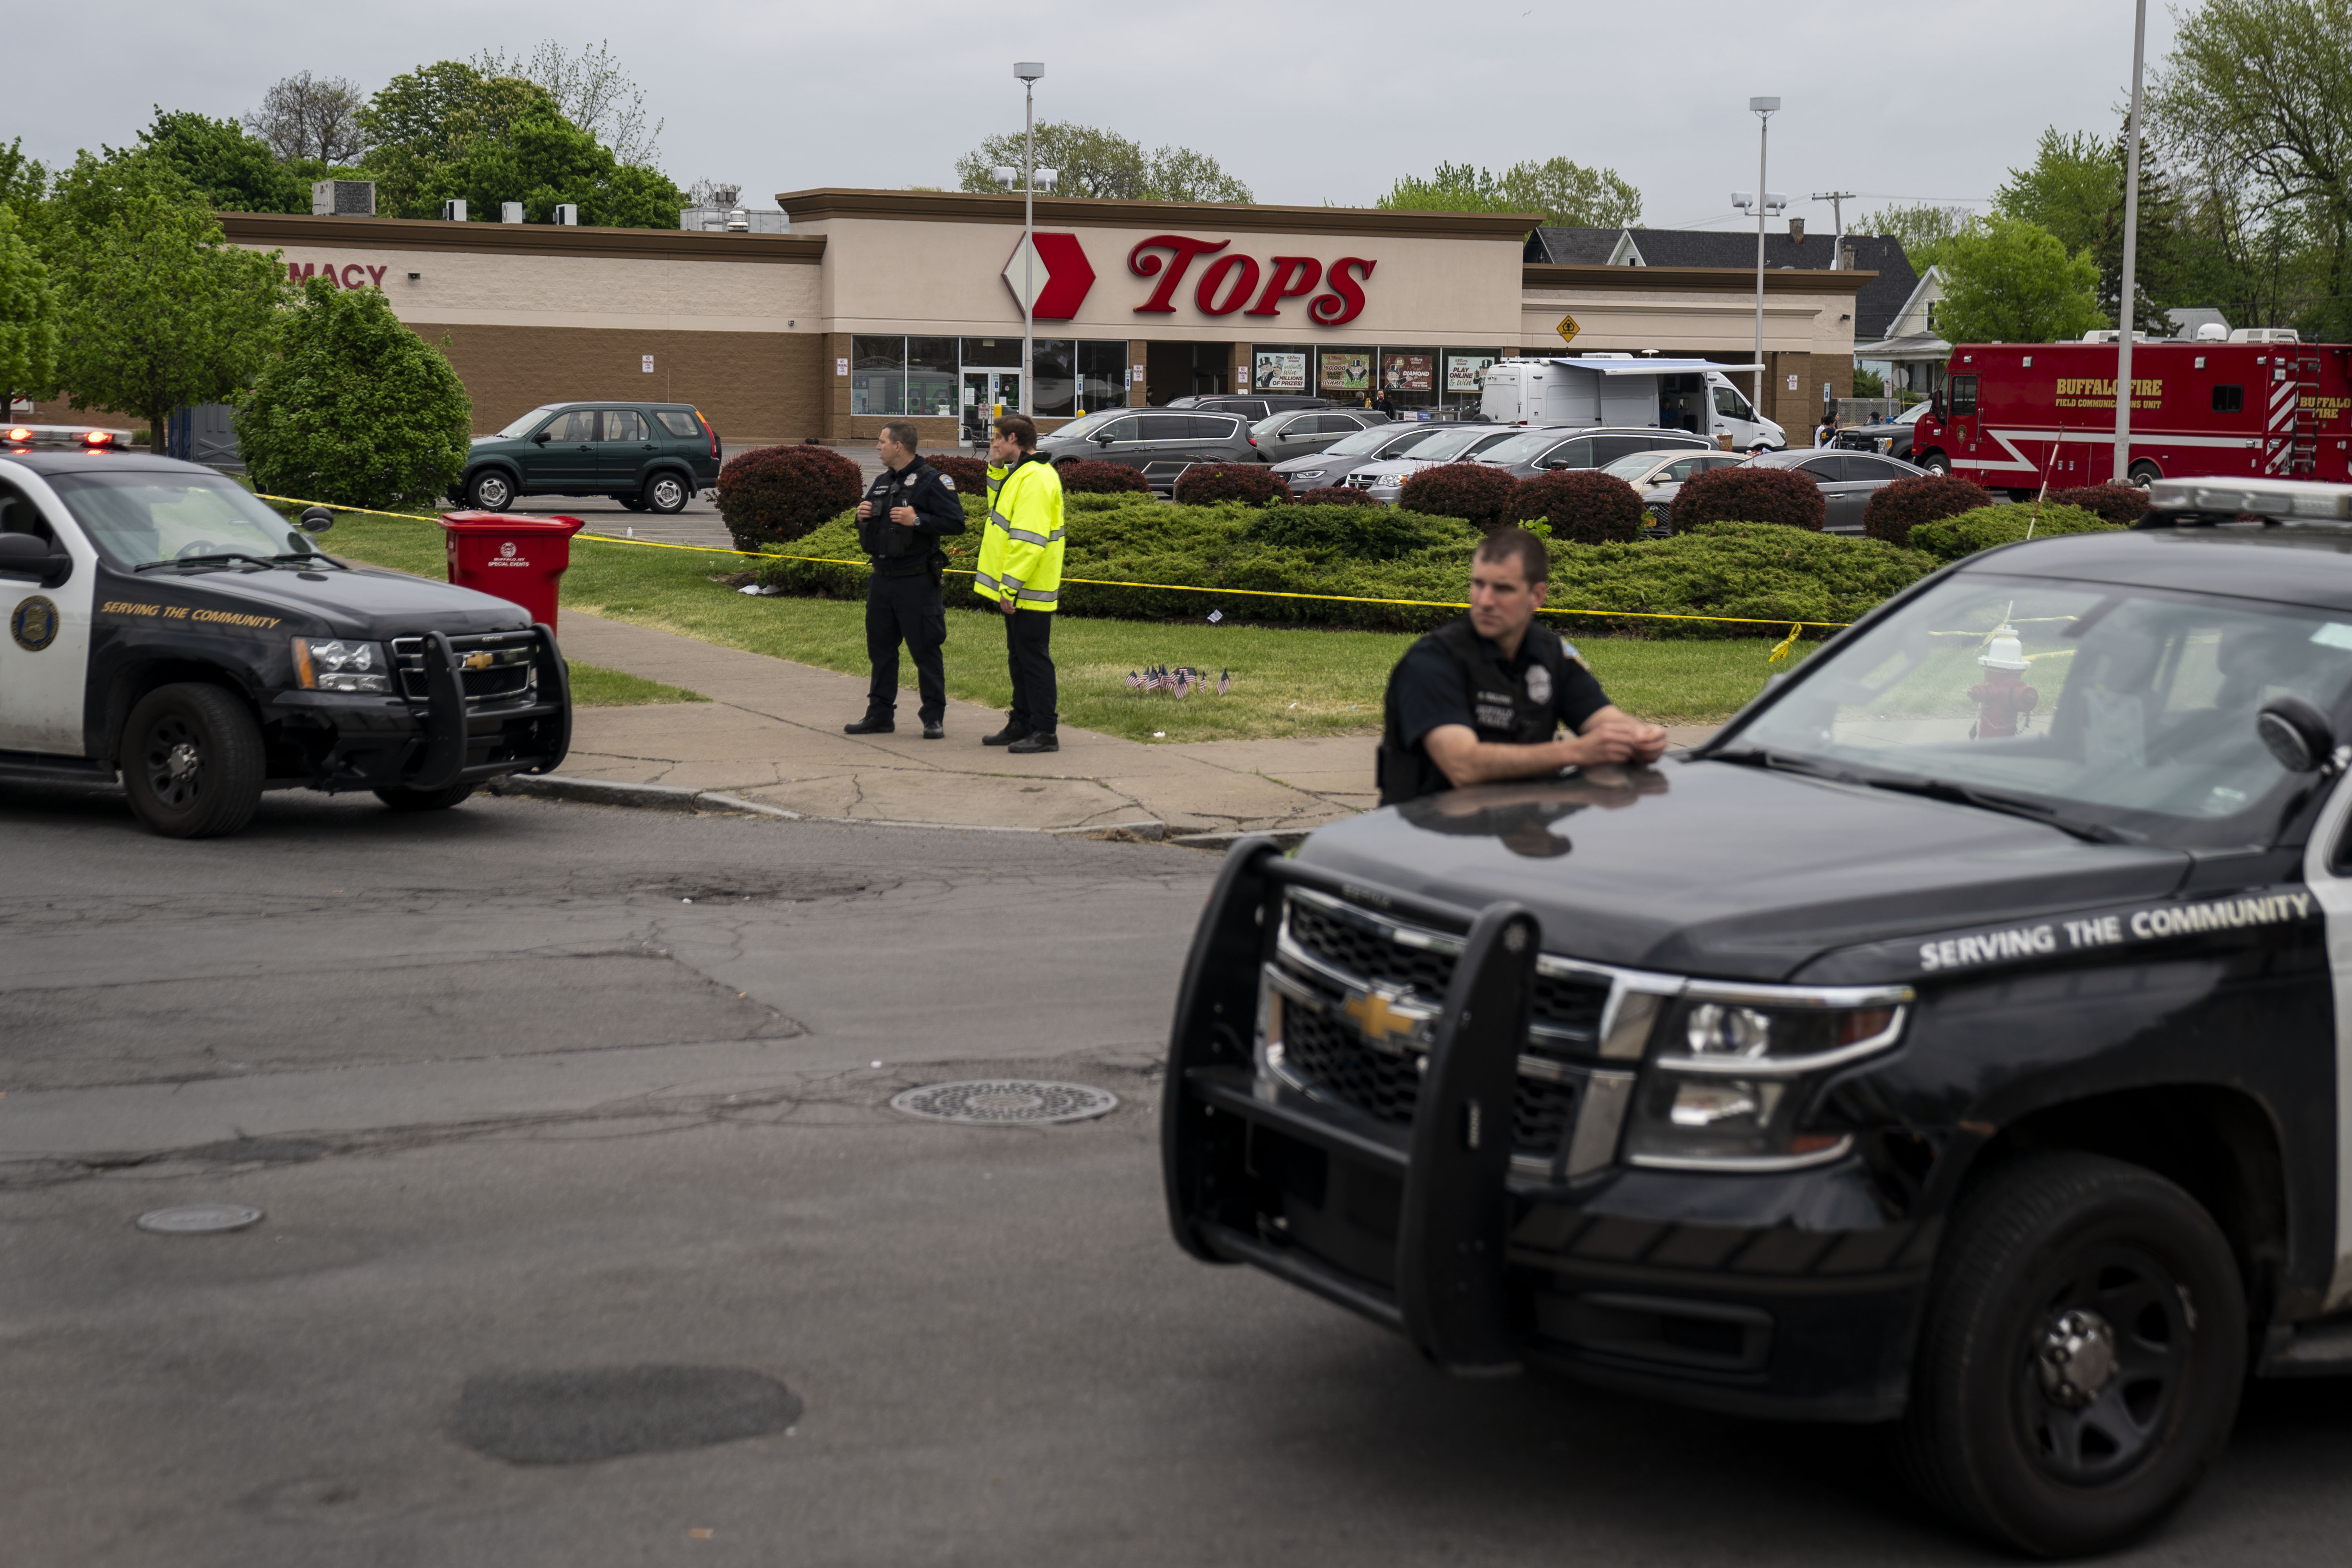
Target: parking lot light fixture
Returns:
[[1028, 72], [1763, 109]]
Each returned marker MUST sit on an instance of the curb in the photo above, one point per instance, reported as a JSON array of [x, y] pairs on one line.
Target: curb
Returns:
[[1283, 837], [676, 797]]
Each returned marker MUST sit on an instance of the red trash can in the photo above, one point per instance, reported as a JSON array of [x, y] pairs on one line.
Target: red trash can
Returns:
[[519, 559]]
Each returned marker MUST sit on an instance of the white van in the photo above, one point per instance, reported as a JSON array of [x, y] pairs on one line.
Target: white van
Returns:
[[1617, 389]]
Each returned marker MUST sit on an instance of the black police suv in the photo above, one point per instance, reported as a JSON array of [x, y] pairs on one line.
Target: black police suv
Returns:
[[1960, 1039], [166, 625]]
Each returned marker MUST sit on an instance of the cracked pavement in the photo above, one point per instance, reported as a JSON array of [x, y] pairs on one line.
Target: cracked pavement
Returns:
[[512, 1104]]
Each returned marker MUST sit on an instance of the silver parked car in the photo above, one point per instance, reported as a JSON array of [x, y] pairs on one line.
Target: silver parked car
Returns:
[[1384, 480], [1848, 480], [1530, 452], [1161, 442], [1657, 476], [1336, 462], [1282, 436]]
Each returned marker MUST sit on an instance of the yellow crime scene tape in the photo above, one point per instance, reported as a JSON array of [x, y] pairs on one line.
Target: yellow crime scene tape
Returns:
[[1796, 628]]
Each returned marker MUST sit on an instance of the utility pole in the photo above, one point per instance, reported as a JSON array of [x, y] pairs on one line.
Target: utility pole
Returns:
[[1028, 72], [2127, 297], [1837, 200], [1763, 109]]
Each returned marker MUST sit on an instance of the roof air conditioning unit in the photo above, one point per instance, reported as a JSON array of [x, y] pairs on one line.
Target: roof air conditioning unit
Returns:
[[2265, 335], [452, 211], [568, 213], [342, 198], [510, 212]]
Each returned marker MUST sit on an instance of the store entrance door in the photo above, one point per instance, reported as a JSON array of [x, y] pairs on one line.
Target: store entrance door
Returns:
[[1171, 371], [987, 393]]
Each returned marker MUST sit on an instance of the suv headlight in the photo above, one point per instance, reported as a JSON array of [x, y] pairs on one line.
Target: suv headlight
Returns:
[[1734, 1075], [331, 664]]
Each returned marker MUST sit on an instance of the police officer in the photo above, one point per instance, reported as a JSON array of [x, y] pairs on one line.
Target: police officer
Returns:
[[1482, 699], [1020, 571], [906, 510]]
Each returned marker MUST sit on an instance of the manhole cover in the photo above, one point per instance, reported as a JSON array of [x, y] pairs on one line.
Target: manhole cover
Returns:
[[198, 1219], [997, 1101], [579, 1417]]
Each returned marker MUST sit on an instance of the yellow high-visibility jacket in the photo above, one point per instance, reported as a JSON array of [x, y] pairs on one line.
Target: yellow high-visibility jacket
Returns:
[[1021, 545]]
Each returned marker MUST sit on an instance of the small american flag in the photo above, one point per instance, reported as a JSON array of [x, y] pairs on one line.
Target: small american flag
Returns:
[[1224, 681], [1134, 679]]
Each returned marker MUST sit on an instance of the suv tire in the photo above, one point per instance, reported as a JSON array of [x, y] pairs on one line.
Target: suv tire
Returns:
[[490, 491], [404, 799], [667, 493], [192, 761], [2081, 1357]]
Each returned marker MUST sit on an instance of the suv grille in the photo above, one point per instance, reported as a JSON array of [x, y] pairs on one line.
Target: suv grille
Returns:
[[497, 669], [1327, 1056]]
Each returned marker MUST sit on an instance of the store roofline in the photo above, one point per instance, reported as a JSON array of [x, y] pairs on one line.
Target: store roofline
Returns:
[[283, 229], [1693, 279], [968, 206]]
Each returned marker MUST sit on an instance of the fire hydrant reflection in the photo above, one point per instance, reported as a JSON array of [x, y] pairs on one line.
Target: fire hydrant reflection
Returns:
[[2003, 697]]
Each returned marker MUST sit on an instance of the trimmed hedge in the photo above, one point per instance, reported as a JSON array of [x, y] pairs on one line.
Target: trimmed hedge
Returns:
[[2120, 504], [1583, 506], [1329, 531], [775, 495], [1477, 493], [1744, 494], [1954, 537], [969, 474], [1252, 484], [1338, 495], [1895, 510], [1082, 476], [1772, 574]]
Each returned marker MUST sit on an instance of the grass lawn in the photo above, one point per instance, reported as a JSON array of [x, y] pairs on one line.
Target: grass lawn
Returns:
[[594, 686], [1285, 681]]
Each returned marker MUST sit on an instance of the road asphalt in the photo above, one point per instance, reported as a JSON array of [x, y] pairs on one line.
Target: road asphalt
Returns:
[[567, 1129]]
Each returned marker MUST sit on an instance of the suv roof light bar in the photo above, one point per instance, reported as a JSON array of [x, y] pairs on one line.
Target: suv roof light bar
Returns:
[[2179, 503]]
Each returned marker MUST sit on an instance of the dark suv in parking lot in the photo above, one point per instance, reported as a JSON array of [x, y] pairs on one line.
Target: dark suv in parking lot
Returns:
[[649, 457]]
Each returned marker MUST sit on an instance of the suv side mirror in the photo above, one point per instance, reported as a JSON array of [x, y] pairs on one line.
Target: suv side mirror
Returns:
[[27, 555], [540, 439], [316, 520], [1103, 439], [2297, 733]]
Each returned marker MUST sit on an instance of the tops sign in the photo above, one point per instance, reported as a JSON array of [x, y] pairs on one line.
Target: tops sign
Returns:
[[1231, 281], [1058, 277]]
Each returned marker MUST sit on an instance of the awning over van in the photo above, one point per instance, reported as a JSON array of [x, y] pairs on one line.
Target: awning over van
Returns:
[[1649, 366]]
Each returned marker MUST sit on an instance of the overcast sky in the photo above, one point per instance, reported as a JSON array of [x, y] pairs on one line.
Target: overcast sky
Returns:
[[1306, 100]]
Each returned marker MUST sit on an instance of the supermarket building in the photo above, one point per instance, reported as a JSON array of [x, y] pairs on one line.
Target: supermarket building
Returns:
[[886, 303]]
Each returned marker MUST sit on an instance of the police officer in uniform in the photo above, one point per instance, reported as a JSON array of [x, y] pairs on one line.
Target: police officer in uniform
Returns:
[[1483, 699], [906, 510]]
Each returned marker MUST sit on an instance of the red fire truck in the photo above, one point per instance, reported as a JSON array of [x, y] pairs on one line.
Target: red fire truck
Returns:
[[2014, 414]]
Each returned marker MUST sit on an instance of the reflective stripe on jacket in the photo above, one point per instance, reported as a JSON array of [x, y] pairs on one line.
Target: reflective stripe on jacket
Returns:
[[1021, 545]]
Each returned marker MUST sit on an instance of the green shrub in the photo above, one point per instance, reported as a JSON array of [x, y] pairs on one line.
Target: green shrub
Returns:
[[1477, 493], [775, 495], [1340, 495], [1379, 534], [1583, 506], [2006, 524], [1080, 477], [1252, 484], [1742, 494], [2120, 504], [1895, 510], [355, 409], [1772, 574]]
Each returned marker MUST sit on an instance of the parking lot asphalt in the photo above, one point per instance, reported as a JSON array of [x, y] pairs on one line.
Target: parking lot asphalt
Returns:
[[537, 1095]]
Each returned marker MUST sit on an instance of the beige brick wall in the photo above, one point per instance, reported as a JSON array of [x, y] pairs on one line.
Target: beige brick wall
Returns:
[[753, 387]]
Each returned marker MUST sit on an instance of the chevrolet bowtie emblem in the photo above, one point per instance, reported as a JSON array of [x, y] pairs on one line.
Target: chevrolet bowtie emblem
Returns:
[[1378, 1020], [477, 661]]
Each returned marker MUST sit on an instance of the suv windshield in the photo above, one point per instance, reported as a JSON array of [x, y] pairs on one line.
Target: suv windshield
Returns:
[[1442, 445], [1630, 468], [1362, 444], [2126, 709], [1523, 448], [136, 519], [529, 422]]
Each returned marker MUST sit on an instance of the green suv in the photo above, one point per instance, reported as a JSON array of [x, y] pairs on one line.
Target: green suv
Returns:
[[649, 457]]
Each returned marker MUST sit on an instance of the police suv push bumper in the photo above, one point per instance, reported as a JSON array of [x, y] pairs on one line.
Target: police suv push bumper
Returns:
[[1438, 1231]]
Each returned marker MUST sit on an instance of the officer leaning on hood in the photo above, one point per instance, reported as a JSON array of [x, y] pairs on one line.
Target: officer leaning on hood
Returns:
[[1483, 699], [906, 510]]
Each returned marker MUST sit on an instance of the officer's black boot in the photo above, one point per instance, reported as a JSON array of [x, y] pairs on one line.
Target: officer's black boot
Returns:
[[1006, 736], [870, 725], [1034, 741]]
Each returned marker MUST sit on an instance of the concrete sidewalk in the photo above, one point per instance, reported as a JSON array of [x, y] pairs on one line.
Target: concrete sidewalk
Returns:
[[771, 734]]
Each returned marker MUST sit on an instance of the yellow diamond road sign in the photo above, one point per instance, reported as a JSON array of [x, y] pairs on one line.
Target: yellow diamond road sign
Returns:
[[1567, 329]]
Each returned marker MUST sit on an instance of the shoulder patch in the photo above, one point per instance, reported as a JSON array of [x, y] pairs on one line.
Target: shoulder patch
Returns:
[[946, 483]]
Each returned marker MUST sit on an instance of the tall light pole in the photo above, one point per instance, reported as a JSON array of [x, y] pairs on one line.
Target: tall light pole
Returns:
[[1028, 72], [1763, 109], [2127, 296]]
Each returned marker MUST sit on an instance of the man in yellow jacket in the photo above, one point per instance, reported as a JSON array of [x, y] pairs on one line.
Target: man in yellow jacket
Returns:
[[1020, 571]]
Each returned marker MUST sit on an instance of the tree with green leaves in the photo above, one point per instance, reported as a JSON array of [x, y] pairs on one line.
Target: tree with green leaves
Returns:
[[545, 159], [28, 317], [23, 182], [1088, 161], [2074, 189], [1922, 228], [158, 311], [423, 122], [218, 159], [1567, 194], [353, 408], [591, 90], [2009, 281]]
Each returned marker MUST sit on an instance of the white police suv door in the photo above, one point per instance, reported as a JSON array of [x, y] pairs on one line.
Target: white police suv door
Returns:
[[44, 651]]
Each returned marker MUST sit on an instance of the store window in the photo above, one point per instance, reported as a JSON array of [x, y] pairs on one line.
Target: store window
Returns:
[[932, 377], [1464, 369], [1102, 374], [1053, 364], [1409, 377], [877, 375], [1277, 367], [1344, 375], [992, 354]]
